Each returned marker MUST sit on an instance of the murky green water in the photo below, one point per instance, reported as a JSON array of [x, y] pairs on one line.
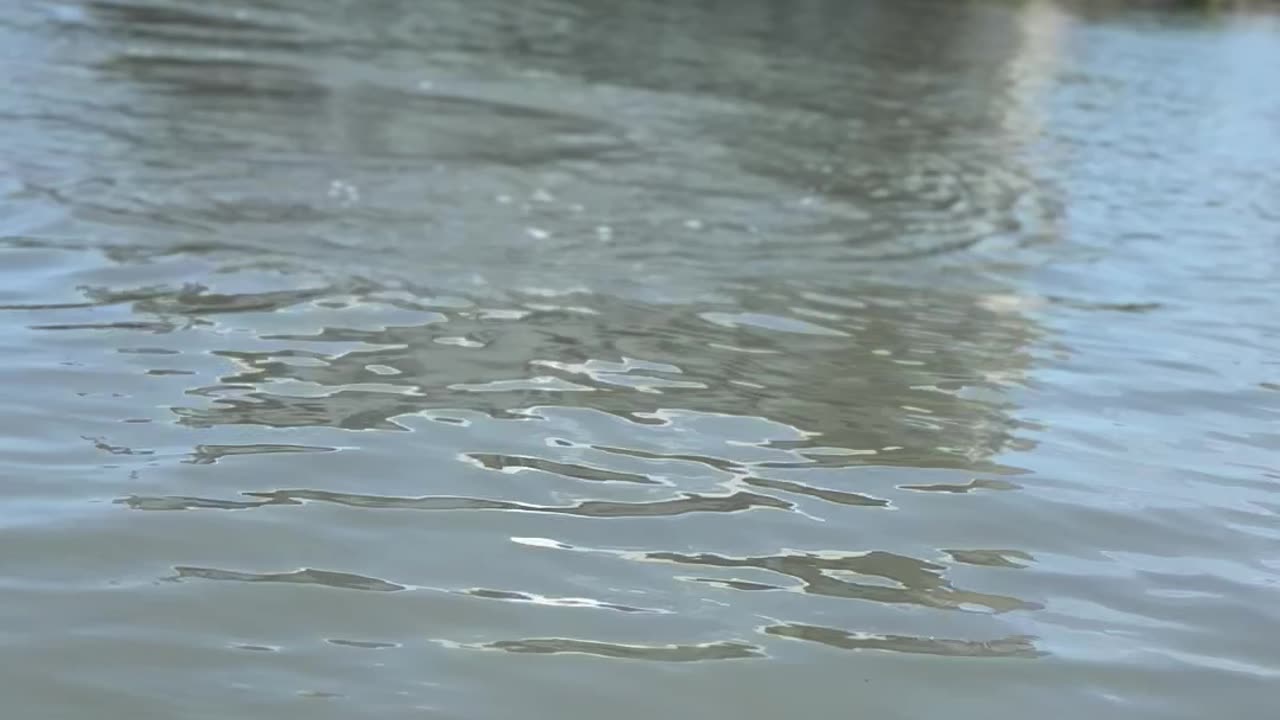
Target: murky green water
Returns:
[[576, 359]]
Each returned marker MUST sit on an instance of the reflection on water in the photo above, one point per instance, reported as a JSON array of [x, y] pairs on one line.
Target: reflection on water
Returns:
[[920, 582], [1002, 648], [601, 138], [305, 577], [838, 352], [665, 653]]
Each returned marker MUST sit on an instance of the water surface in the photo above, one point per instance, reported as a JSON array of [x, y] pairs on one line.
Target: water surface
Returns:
[[583, 359]]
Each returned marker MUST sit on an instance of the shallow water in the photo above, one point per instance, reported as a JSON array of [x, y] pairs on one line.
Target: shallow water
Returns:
[[582, 359]]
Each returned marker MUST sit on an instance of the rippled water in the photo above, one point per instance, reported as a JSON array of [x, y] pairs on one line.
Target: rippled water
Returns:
[[623, 359]]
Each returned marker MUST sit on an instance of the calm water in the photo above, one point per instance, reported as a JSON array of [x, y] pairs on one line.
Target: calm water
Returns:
[[577, 359]]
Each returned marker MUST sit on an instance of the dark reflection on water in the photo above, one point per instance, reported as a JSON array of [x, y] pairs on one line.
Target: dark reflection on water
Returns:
[[537, 351], [303, 577], [363, 644], [177, 502], [920, 582], [977, 298], [1010, 647], [688, 503], [209, 454], [515, 463], [663, 653], [975, 484], [835, 496]]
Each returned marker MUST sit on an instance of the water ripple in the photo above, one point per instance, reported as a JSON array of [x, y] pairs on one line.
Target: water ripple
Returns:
[[210, 454], [1007, 647], [308, 576], [686, 503], [620, 651], [835, 496], [919, 583], [622, 275], [522, 597], [519, 463]]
